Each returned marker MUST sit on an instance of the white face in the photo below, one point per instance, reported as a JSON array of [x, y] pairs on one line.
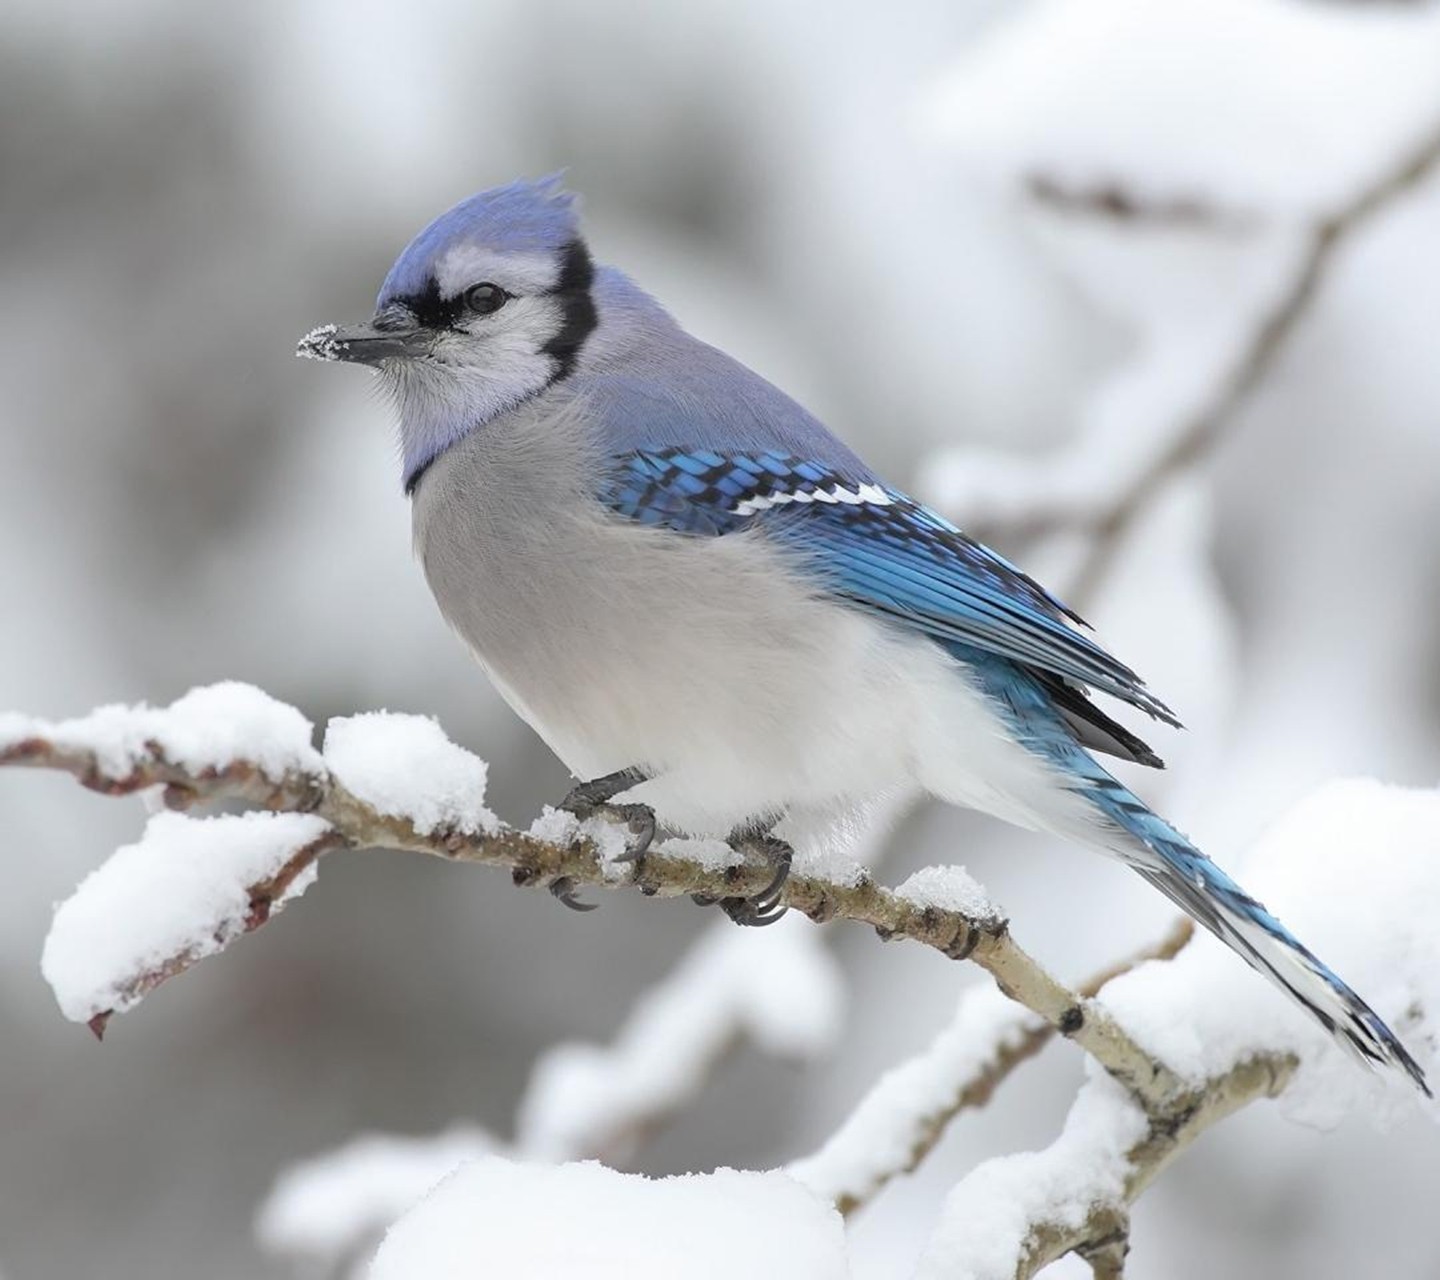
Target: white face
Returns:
[[487, 345]]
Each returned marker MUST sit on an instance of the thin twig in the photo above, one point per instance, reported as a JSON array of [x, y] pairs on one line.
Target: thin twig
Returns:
[[976, 1089], [1273, 328], [265, 897], [1167, 1135]]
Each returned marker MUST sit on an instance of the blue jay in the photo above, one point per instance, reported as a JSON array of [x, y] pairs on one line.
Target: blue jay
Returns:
[[697, 595]]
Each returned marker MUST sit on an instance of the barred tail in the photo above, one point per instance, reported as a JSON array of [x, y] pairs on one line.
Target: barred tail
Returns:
[[1205, 893]]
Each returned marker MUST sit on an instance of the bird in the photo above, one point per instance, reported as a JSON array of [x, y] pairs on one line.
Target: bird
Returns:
[[712, 610]]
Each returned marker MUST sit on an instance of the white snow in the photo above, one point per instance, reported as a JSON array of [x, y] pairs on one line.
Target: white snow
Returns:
[[951, 888], [318, 344], [1354, 871], [207, 728], [779, 987], [182, 891], [555, 826], [405, 767], [1193, 311], [611, 839], [710, 855], [324, 1209], [1268, 106], [987, 1217], [878, 1137], [496, 1218]]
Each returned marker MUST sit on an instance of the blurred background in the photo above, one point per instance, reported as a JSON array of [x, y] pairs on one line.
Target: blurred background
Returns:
[[1008, 251]]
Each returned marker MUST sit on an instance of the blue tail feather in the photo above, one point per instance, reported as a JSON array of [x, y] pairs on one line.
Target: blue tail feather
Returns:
[[1165, 858], [1203, 891]]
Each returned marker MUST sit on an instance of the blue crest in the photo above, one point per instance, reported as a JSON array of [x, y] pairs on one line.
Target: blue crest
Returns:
[[521, 217]]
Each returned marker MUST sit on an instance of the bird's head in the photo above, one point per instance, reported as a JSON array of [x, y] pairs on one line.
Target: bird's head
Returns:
[[487, 306]]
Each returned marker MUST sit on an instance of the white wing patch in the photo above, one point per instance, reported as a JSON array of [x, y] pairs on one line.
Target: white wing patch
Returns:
[[865, 493]]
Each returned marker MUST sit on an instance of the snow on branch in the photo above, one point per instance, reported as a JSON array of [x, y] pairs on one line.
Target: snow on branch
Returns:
[[1185, 1042], [1265, 212], [338, 1206], [396, 782], [496, 1217], [897, 1124], [1358, 866], [1014, 1215], [779, 988], [187, 890]]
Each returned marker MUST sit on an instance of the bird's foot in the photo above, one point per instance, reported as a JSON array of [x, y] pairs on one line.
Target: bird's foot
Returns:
[[593, 799], [765, 907]]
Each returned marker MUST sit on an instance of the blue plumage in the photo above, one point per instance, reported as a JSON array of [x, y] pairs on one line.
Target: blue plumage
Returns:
[[523, 217], [1173, 865], [878, 549]]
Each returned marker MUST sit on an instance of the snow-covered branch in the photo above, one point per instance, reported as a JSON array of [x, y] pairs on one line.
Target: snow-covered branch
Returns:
[[396, 782], [779, 988], [1351, 862], [1013, 1216], [897, 1124], [1196, 364], [1182, 1043], [1191, 438], [186, 891]]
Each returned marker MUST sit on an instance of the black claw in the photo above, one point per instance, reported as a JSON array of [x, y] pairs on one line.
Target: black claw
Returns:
[[564, 891], [765, 907], [750, 912]]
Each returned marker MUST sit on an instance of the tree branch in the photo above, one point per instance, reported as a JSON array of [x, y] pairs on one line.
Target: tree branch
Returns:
[[366, 792], [534, 861], [1272, 330], [902, 1119], [264, 897], [1102, 1237], [1189, 439]]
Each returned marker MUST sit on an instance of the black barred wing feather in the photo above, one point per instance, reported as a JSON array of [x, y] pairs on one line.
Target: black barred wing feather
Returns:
[[877, 548]]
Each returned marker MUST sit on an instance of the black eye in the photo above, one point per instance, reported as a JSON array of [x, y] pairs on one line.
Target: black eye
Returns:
[[482, 299]]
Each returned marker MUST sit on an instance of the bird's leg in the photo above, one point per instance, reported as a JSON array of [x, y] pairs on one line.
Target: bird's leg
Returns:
[[765, 907], [592, 799]]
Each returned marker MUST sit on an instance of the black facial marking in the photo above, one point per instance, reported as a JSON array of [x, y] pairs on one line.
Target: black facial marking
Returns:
[[430, 309], [578, 316], [572, 291], [413, 481]]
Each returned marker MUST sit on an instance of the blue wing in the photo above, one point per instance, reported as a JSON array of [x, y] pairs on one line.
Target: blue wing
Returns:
[[879, 550]]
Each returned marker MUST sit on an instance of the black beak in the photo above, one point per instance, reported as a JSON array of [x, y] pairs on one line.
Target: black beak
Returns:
[[392, 335]]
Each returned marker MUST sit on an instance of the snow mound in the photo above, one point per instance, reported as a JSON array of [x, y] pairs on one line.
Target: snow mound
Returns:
[[535, 1222], [405, 767], [950, 888], [778, 987], [1182, 100], [322, 1209], [209, 728]]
